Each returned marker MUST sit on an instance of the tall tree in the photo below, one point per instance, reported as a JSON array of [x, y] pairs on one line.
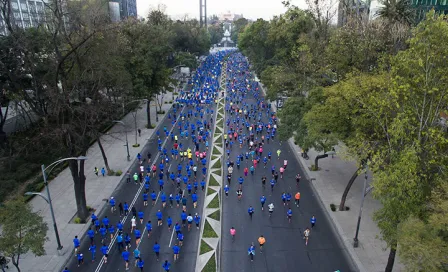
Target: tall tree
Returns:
[[22, 231]]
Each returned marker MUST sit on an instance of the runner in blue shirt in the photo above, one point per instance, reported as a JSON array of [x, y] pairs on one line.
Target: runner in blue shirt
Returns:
[[250, 211], [80, 258], [166, 265], [149, 228], [120, 244], [226, 190], [163, 199], [111, 231], [153, 197], [177, 228], [140, 216], [145, 198], [91, 234], [194, 198], [76, 244], [112, 204], [140, 264], [262, 200], [313, 221], [159, 218], [289, 215], [156, 249], [105, 251], [176, 250], [272, 184], [197, 220], [125, 255], [180, 237], [103, 232], [136, 255], [169, 222], [92, 250]]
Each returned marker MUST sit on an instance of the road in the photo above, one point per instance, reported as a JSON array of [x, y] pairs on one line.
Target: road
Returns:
[[285, 249], [132, 194]]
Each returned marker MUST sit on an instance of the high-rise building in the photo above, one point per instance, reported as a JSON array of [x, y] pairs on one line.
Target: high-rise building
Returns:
[[357, 8], [128, 8], [423, 6], [25, 13]]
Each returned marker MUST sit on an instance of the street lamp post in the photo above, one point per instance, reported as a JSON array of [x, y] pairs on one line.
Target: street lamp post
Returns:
[[48, 197], [126, 133], [364, 193]]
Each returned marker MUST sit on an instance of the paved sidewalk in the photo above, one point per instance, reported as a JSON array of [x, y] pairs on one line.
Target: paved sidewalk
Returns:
[[98, 189]]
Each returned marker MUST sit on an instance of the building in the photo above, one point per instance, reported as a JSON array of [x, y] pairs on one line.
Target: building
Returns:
[[228, 16], [423, 6], [128, 8], [358, 8], [25, 13]]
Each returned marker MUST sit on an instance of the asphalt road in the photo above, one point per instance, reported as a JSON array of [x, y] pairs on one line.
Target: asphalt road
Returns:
[[285, 249], [166, 239]]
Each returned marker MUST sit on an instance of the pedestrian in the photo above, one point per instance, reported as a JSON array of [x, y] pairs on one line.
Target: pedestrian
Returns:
[[197, 220], [126, 208], [136, 256], [112, 204], [128, 177], [95, 170], [120, 243], [92, 250], [156, 249], [120, 207], [76, 244], [262, 200], [226, 190], [261, 241], [133, 223], [190, 221], [138, 235], [313, 221], [169, 222], [139, 132], [125, 255], [176, 250], [134, 212], [166, 265], [297, 199], [239, 194], [105, 251], [250, 210], [251, 252], [149, 228], [80, 258], [159, 218], [140, 264], [232, 232]]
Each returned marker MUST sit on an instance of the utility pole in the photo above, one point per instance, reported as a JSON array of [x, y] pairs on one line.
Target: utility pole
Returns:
[[203, 13]]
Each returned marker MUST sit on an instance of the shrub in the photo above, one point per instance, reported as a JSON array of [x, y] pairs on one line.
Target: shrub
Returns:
[[314, 168], [118, 173], [152, 126], [77, 220], [333, 207], [135, 145]]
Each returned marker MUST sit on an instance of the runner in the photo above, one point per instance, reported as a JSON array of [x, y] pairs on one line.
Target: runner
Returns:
[[261, 241], [166, 265], [251, 252], [289, 215], [232, 232], [105, 251], [125, 255], [313, 221], [239, 194], [271, 209], [156, 249], [250, 210], [262, 200], [176, 250], [306, 235], [297, 199]]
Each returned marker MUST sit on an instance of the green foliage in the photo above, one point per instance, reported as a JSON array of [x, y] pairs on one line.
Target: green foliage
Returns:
[[208, 231], [77, 220], [212, 181], [118, 173], [238, 27], [211, 265], [215, 215], [22, 230], [214, 203], [204, 247]]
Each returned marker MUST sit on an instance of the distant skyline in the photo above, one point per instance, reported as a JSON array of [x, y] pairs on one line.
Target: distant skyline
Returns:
[[251, 9]]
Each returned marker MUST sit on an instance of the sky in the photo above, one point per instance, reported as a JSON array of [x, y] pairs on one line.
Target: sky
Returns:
[[251, 9]]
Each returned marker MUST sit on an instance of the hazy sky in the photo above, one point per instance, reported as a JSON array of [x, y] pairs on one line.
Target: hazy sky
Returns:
[[251, 9]]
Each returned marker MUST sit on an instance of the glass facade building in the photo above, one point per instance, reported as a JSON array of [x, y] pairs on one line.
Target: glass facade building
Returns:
[[423, 6], [25, 13]]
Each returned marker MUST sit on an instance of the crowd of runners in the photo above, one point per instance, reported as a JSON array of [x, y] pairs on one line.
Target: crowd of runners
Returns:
[[250, 127], [181, 162]]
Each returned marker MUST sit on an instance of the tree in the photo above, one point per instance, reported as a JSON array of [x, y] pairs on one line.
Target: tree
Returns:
[[216, 33], [394, 11], [424, 244], [238, 27], [22, 231]]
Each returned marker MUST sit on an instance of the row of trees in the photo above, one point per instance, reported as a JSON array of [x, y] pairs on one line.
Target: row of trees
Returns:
[[380, 88], [74, 71]]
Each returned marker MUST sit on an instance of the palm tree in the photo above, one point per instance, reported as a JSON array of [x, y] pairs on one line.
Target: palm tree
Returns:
[[397, 11]]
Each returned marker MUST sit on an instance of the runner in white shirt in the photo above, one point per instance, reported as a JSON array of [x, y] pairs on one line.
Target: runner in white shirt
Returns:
[[190, 221], [285, 163], [133, 224], [142, 168]]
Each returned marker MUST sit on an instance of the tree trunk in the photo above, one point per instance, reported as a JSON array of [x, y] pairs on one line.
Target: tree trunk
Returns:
[[347, 189], [148, 113], [106, 163], [391, 259], [316, 161], [79, 183], [16, 263]]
